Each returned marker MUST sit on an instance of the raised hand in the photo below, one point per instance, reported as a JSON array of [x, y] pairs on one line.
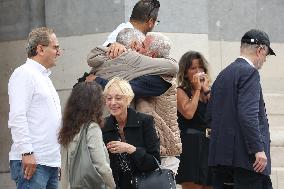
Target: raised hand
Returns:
[[120, 147], [115, 49]]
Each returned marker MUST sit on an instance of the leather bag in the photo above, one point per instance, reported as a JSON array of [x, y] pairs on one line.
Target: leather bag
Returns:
[[82, 172], [157, 179]]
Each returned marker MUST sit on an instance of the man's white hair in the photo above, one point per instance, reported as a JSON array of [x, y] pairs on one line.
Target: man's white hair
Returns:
[[161, 44], [127, 35]]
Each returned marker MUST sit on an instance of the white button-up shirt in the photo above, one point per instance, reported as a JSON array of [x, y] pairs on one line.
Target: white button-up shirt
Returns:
[[35, 114], [112, 36]]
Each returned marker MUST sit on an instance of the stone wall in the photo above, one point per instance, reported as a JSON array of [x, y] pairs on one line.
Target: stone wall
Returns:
[[213, 27]]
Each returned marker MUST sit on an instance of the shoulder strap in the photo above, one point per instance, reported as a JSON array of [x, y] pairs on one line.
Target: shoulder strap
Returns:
[[83, 134]]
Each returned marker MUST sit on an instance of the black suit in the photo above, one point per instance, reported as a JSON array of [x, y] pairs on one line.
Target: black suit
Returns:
[[140, 132], [236, 114]]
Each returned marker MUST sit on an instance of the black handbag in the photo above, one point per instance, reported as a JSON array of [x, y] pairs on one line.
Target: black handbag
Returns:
[[157, 179]]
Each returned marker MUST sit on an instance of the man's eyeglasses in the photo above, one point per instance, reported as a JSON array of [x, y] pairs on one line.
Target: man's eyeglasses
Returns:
[[56, 47], [157, 22]]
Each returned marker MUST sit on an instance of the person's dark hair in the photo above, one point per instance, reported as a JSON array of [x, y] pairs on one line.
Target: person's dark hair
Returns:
[[185, 63], [144, 10], [85, 104], [38, 36]]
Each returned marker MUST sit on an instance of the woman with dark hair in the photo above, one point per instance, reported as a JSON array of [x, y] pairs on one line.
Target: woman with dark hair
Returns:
[[193, 94], [85, 106]]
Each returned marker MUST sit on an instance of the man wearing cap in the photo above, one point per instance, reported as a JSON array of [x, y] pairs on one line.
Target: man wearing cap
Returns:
[[240, 139]]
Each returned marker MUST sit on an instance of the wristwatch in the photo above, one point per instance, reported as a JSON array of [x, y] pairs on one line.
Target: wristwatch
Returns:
[[27, 154]]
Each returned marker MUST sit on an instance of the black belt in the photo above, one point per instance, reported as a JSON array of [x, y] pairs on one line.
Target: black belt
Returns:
[[207, 132]]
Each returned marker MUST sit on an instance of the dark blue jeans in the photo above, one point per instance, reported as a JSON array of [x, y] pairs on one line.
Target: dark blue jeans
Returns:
[[44, 177]]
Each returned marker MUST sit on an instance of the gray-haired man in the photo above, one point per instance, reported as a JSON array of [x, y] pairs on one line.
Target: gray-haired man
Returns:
[[240, 139], [35, 115]]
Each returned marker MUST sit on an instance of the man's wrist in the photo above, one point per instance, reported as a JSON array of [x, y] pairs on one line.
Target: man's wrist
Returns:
[[27, 154]]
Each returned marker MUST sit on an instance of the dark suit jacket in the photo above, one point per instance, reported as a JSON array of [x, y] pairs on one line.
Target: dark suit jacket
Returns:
[[236, 114], [140, 132]]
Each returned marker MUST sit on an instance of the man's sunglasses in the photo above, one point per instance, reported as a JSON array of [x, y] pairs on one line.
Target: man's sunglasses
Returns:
[[155, 4]]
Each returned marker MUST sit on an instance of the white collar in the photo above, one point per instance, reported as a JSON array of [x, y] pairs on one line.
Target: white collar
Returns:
[[36, 65], [248, 60]]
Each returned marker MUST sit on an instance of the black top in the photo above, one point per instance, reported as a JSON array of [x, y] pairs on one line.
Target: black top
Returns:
[[140, 132], [198, 121]]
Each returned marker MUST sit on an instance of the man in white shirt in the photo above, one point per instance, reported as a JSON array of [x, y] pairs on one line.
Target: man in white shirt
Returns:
[[143, 18], [35, 115]]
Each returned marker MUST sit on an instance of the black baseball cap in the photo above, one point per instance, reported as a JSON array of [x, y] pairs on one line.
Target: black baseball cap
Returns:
[[259, 37]]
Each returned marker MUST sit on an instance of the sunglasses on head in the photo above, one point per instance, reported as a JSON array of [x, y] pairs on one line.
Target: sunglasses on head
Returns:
[[155, 5]]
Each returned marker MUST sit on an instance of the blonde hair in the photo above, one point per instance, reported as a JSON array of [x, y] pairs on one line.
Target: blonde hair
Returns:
[[122, 86]]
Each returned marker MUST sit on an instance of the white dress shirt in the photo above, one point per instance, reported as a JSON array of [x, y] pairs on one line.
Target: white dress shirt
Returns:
[[112, 36], [35, 114]]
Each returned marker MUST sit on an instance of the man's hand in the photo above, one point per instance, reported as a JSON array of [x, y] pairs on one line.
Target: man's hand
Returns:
[[29, 166], [115, 49], [260, 162]]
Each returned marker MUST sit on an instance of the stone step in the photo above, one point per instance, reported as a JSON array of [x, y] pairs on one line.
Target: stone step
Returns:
[[277, 177], [276, 136], [274, 103], [275, 120], [277, 153], [6, 182], [277, 146]]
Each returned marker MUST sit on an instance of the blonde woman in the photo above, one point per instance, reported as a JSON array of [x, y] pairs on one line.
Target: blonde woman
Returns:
[[130, 136]]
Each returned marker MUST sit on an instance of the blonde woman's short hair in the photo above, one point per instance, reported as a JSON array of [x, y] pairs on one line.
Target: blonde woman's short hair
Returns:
[[122, 86]]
